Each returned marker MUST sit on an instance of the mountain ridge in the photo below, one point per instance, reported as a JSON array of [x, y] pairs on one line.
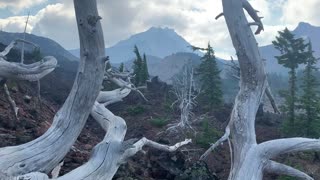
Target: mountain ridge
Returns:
[[48, 47], [156, 41]]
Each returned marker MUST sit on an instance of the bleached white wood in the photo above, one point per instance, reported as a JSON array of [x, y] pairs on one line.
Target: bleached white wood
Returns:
[[45, 152], [224, 138], [110, 153], [184, 89], [250, 160], [11, 101], [29, 72], [282, 169]]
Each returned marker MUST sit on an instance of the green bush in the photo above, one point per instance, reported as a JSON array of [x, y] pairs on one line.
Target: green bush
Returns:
[[207, 136], [159, 122], [136, 110]]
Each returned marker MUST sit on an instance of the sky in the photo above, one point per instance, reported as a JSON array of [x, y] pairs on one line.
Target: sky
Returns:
[[194, 20]]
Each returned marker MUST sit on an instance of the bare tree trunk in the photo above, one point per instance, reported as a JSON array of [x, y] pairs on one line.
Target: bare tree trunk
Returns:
[[185, 91], [249, 159], [112, 151], [45, 152]]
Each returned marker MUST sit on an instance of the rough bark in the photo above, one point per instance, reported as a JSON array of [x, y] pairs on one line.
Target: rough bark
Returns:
[[45, 152], [235, 73], [249, 159], [112, 151], [12, 103], [29, 72]]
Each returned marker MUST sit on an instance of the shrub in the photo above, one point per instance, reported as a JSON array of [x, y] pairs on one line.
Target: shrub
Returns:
[[136, 110], [159, 122], [207, 136]]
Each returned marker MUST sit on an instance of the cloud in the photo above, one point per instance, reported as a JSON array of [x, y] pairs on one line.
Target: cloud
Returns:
[[193, 20], [295, 12], [16, 6], [57, 22]]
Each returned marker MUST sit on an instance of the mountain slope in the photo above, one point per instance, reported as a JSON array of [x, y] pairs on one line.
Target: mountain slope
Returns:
[[303, 30], [159, 42], [57, 84], [171, 65], [48, 47]]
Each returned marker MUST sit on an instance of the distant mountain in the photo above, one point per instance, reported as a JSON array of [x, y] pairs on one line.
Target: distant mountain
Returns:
[[48, 47], [169, 66], [304, 30], [57, 84], [158, 42]]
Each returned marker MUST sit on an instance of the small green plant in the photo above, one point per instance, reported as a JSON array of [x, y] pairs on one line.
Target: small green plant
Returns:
[[159, 122], [286, 178], [207, 136], [136, 110]]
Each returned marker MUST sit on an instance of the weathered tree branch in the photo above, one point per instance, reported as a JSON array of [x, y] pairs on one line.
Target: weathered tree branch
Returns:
[[216, 144], [236, 75], [13, 44], [146, 142], [13, 105], [24, 38], [282, 169], [219, 15], [253, 13], [45, 152], [273, 148], [109, 154], [30, 72], [272, 100]]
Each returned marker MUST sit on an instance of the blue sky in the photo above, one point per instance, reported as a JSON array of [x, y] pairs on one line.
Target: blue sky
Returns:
[[122, 18]]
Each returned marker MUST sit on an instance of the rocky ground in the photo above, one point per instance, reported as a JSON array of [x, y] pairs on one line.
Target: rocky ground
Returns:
[[149, 119]]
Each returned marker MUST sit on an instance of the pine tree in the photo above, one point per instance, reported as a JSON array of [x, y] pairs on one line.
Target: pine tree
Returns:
[[36, 55], [310, 99], [137, 67], [145, 72], [292, 54], [121, 67], [209, 76]]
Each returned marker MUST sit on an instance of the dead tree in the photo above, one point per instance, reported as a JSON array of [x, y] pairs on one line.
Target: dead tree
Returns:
[[45, 152], [235, 73], [186, 93], [112, 151], [32, 160], [249, 159], [20, 71]]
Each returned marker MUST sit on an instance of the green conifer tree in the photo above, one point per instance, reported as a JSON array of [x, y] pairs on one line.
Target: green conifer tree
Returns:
[[121, 67], [310, 99], [137, 67], [292, 53], [145, 72], [209, 76]]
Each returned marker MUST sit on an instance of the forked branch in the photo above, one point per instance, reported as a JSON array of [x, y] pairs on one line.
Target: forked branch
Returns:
[[146, 142], [282, 169], [218, 143], [253, 13], [273, 148]]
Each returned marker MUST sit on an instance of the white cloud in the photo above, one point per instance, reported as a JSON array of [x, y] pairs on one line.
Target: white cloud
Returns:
[[193, 20], [297, 11], [16, 6], [57, 22], [17, 23]]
